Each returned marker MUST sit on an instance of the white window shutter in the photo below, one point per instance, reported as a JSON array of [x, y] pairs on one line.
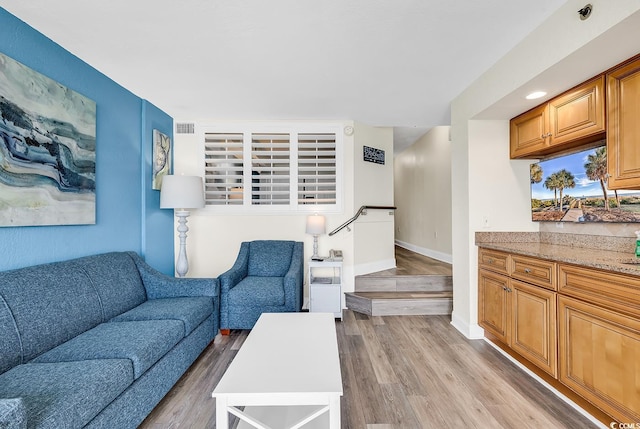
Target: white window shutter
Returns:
[[223, 168], [317, 171]]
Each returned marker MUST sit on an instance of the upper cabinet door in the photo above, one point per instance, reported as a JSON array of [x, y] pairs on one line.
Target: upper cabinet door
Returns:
[[623, 126], [578, 116], [572, 119], [529, 133]]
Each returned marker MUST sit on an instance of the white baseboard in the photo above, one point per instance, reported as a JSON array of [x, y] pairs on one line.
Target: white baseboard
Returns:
[[373, 267], [444, 257], [472, 332], [553, 390]]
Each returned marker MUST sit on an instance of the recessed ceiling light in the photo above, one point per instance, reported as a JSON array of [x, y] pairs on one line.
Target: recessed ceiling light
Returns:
[[535, 95]]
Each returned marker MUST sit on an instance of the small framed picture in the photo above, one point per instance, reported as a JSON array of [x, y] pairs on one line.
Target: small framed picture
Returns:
[[161, 158]]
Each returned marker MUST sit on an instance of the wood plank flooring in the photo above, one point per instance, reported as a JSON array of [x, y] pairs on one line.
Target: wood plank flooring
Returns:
[[398, 372], [409, 263]]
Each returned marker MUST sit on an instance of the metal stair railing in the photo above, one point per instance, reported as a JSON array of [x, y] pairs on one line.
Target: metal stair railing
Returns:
[[361, 211]]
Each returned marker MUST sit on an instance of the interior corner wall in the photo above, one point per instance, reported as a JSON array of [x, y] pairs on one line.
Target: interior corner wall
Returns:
[[422, 192], [120, 220], [157, 225], [373, 186], [562, 43]]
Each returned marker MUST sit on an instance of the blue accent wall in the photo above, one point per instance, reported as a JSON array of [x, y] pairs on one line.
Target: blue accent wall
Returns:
[[128, 216]]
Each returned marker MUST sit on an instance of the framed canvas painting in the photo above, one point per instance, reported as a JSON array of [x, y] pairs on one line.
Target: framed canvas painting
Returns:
[[47, 150], [161, 158]]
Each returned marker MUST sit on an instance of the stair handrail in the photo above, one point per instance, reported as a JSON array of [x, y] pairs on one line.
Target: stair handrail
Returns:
[[358, 213]]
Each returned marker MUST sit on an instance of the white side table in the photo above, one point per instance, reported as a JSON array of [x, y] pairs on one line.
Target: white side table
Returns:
[[325, 287]]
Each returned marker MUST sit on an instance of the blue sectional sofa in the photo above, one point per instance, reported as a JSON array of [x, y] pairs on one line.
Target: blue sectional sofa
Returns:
[[97, 341]]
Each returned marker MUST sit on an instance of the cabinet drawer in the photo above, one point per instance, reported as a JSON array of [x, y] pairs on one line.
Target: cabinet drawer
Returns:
[[493, 260], [532, 270], [612, 290], [598, 355]]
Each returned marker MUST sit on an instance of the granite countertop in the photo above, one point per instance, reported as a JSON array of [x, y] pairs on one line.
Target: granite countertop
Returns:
[[567, 249]]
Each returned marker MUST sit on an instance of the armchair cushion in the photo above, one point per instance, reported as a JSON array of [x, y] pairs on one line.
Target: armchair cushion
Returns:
[[269, 258], [257, 291]]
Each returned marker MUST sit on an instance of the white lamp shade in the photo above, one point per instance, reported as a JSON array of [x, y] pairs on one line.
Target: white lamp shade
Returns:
[[181, 192], [315, 225]]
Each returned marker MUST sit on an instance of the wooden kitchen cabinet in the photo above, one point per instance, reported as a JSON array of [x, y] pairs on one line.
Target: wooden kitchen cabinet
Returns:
[[528, 133], [598, 355], [572, 119], [623, 126], [519, 314], [533, 324], [494, 305]]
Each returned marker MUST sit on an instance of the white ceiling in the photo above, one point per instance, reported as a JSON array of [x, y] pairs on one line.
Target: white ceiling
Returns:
[[392, 63]]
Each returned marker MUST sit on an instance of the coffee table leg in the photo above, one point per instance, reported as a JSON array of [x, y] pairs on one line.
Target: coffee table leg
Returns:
[[334, 412], [222, 413]]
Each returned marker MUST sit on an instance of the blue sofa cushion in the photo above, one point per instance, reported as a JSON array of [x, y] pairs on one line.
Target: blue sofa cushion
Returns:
[[13, 414], [191, 311], [10, 352], [51, 304], [142, 342], [66, 394], [116, 280], [269, 258], [257, 291]]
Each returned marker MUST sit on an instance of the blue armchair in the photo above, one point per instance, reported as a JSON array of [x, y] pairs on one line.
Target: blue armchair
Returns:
[[267, 277]]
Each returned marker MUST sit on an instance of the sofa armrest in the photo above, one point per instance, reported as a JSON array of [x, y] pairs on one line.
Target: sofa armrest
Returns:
[[294, 279], [13, 414], [159, 285]]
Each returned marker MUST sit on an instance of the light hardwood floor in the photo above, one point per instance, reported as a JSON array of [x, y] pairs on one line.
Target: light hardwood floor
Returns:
[[398, 372]]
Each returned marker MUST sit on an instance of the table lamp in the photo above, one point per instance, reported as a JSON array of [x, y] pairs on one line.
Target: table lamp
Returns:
[[182, 193], [315, 227]]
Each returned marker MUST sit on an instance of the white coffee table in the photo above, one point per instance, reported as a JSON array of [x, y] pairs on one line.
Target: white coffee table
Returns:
[[286, 375]]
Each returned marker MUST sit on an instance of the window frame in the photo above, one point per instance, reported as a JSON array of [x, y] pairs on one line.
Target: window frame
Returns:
[[248, 129]]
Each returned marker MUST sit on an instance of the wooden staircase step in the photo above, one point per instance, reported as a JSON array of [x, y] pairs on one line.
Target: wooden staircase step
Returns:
[[412, 283], [400, 303]]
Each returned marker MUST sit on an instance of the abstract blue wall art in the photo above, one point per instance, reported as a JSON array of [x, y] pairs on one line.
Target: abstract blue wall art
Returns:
[[161, 158], [47, 150]]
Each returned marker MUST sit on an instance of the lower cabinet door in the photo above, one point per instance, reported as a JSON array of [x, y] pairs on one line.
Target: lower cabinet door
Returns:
[[599, 354], [533, 325], [493, 304], [325, 299]]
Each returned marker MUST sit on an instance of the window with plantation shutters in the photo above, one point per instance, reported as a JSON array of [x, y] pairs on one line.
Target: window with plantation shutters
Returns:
[[273, 168], [317, 169], [270, 178], [223, 168]]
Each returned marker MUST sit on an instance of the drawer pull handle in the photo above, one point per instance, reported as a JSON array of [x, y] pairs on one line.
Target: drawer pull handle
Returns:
[[490, 261], [527, 270]]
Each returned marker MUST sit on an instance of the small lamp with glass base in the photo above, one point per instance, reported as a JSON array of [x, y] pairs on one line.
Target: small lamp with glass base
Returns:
[[315, 226]]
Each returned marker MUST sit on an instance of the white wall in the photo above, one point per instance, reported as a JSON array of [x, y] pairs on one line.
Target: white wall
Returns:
[[485, 183], [422, 192], [214, 238], [373, 186]]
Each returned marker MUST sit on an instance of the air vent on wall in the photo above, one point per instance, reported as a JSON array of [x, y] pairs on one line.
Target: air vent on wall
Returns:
[[185, 128]]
